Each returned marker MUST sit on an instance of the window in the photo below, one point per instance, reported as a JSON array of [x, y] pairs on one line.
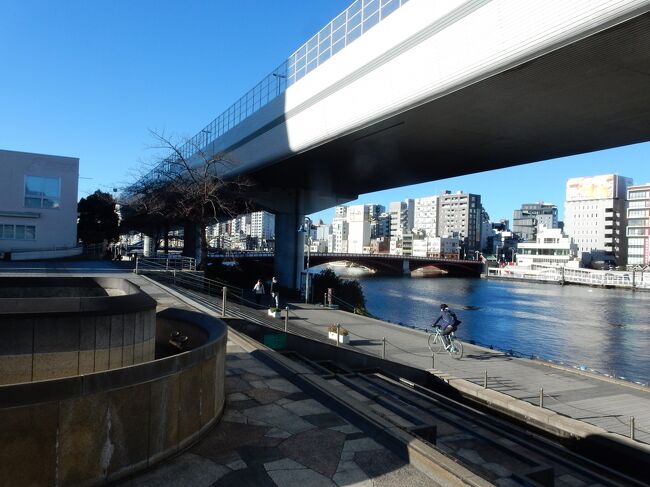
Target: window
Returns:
[[17, 232], [42, 192]]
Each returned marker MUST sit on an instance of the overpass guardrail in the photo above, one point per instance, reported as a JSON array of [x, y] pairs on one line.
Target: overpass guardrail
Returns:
[[346, 27]]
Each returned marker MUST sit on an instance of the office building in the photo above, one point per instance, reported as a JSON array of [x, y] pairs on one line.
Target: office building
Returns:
[[550, 248], [595, 218], [262, 225], [38, 205], [638, 225], [460, 214], [358, 218], [530, 216], [401, 217], [425, 215]]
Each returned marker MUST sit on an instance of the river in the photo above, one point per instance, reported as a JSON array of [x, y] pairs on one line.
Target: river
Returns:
[[603, 330]]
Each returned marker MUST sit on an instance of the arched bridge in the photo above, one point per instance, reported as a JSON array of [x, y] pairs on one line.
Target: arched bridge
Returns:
[[383, 263]]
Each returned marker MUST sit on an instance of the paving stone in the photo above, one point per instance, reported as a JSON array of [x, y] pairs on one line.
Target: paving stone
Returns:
[[266, 396], [237, 465], [283, 464], [259, 455], [318, 449], [253, 476], [250, 377], [355, 436], [188, 469], [298, 396], [300, 478], [235, 384], [306, 407], [255, 369], [241, 405], [348, 429], [277, 433], [281, 385], [325, 420], [279, 417], [259, 384], [361, 444], [237, 396], [387, 470], [349, 474], [228, 437]]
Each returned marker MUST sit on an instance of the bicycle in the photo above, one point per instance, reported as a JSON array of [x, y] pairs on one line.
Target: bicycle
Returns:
[[437, 345]]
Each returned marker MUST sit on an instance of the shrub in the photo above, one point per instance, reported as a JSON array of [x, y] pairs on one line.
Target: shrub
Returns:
[[348, 291]]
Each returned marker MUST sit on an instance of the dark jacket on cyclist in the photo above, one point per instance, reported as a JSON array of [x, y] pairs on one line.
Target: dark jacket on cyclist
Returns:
[[449, 320], [447, 317]]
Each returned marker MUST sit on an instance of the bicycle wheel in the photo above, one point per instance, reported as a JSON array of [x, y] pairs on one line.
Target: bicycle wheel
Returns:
[[435, 343], [457, 350]]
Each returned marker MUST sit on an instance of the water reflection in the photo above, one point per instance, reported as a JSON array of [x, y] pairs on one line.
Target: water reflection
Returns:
[[604, 329]]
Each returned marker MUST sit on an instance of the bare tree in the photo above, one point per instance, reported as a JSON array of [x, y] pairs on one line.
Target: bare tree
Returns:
[[191, 189]]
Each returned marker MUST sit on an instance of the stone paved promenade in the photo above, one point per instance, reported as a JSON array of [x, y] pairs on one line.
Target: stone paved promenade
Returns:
[[601, 401], [273, 434]]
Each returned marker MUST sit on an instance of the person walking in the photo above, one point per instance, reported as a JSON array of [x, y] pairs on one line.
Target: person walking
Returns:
[[450, 323], [275, 291], [259, 291]]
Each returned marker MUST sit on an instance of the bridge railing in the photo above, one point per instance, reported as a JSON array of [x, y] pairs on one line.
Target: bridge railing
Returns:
[[592, 277], [348, 26]]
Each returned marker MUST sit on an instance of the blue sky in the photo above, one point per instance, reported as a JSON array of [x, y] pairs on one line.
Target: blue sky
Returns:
[[91, 79]]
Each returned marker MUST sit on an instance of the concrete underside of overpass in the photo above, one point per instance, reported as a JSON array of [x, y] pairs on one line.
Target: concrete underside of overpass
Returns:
[[591, 95]]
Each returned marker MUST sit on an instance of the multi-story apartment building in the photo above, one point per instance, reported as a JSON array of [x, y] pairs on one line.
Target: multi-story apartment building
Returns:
[[401, 218], [38, 205], [530, 216], [595, 218], [425, 215], [337, 242], [460, 214], [262, 225], [638, 225], [380, 226]]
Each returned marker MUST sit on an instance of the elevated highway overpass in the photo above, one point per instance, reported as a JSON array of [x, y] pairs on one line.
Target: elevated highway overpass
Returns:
[[400, 92]]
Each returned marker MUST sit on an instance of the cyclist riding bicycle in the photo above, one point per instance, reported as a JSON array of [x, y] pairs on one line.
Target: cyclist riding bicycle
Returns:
[[450, 323]]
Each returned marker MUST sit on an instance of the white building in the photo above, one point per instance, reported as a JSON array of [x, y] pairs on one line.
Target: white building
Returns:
[[38, 205], [337, 242], [401, 217], [358, 218], [638, 225], [595, 217], [550, 248], [425, 215], [262, 225], [436, 247]]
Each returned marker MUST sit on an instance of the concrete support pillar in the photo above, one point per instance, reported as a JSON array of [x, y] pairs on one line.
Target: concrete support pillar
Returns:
[[192, 241], [406, 267], [148, 246], [289, 249]]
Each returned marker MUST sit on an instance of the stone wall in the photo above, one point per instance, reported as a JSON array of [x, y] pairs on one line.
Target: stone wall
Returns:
[[96, 428], [61, 327]]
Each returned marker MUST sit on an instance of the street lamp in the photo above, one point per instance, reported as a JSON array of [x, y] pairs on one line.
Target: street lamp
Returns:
[[306, 227], [476, 253], [278, 77]]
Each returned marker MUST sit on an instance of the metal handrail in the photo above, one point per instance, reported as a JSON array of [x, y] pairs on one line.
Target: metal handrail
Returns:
[[346, 27]]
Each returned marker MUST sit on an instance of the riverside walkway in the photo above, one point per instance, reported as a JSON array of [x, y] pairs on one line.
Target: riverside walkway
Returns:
[[601, 401]]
